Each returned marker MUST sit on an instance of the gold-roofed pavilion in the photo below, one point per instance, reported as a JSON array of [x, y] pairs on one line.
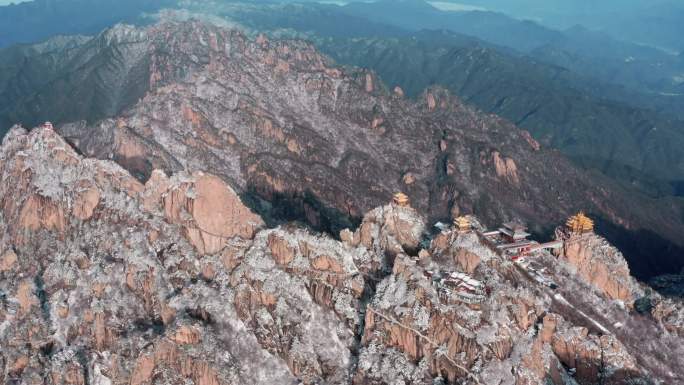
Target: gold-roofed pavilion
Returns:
[[401, 199], [580, 224], [462, 223]]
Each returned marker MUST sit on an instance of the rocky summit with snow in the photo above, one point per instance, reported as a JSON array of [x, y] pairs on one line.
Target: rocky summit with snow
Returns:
[[106, 280], [238, 224]]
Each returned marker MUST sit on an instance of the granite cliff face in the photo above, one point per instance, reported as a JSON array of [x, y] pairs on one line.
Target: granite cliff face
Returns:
[[105, 280]]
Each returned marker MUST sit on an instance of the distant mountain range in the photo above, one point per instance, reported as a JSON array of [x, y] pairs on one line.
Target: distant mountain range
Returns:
[[591, 54], [496, 28], [567, 109], [560, 109], [37, 20], [655, 22], [92, 72], [587, 53], [597, 55]]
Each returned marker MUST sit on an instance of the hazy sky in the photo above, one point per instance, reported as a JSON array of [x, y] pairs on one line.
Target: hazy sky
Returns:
[[5, 2]]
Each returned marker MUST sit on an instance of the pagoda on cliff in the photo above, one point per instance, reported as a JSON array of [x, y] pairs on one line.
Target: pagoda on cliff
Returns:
[[401, 199], [579, 224], [462, 224]]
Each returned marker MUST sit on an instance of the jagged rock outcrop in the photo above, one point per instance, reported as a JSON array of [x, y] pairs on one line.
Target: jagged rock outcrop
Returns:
[[670, 313], [392, 228], [209, 210], [122, 292], [600, 264], [506, 168]]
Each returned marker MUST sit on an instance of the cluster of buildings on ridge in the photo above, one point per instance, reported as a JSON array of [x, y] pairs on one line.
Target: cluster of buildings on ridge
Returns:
[[510, 240]]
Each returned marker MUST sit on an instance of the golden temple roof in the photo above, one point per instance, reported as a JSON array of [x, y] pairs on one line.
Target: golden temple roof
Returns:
[[401, 199], [580, 223], [462, 223]]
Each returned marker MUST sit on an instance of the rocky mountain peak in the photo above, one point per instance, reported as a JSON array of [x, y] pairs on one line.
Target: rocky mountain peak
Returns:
[[123, 33], [104, 279]]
